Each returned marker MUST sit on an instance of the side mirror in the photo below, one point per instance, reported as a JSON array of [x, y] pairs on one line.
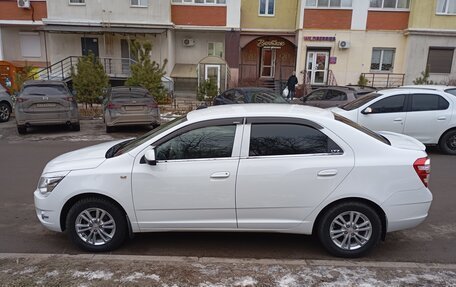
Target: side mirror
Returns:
[[150, 157], [367, 110]]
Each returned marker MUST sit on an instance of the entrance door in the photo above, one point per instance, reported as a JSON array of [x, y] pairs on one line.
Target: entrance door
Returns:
[[213, 73], [90, 45], [268, 61], [317, 67]]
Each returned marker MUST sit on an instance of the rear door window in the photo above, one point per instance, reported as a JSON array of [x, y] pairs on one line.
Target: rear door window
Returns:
[[360, 102], [392, 104], [319, 95], [335, 95], [428, 102], [451, 91]]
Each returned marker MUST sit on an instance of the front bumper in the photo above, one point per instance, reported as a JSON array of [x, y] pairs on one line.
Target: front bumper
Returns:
[[46, 213]]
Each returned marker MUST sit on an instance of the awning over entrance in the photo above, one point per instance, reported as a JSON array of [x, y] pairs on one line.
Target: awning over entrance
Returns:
[[184, 71], [100, 29]]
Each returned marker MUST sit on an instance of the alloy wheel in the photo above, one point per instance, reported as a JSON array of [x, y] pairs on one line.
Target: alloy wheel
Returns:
[[4, 113], [350, 230], [95, 226]]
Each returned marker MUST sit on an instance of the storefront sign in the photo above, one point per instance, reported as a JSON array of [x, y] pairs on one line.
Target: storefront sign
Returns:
[[332, 60], [270, 43], [320, 38]]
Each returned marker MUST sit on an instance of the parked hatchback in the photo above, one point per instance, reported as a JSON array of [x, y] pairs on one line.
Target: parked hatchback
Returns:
[[248, 96], [46, 103], [6, 105], [335, 96], [254, 167], [425, 114], [124, 106]]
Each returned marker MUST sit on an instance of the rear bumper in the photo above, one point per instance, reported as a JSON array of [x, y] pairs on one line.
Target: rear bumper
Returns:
[[407, 209], [118, 119], [52, 118]]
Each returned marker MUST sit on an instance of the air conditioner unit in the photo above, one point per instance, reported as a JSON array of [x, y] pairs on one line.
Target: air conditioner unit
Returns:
[[188, 42], [344, 44], [23, 4]]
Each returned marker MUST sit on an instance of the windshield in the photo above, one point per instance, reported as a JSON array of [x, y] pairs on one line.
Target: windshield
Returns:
[[264, 97], [44, 90], [361, 128], [360, 101], [130, 145], [451, 91]]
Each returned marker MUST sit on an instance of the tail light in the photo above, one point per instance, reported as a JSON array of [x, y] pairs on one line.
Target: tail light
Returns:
[[70, 99], [112, 106], [152, 105], [21, 100], [422, 167]]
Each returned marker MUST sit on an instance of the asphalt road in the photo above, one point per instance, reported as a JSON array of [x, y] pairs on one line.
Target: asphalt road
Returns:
[[23, 158]]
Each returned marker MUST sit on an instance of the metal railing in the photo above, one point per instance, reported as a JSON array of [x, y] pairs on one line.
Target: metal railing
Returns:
[[249, 75], [384, 80]]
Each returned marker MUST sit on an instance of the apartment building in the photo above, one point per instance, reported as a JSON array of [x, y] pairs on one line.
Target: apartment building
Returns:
[[431, 40]]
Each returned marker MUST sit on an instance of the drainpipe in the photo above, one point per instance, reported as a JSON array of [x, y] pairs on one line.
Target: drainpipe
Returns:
[[1, 45]]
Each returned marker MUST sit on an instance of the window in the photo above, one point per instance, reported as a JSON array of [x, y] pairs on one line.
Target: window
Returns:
[[288, 139], [440, 59], [451, 91], [360, 102], [390, 4], [335, 95], [139, 3], [215, 49], [428, 102], [77, 2], [267, 7], [446, 7], [211, 2], [382, 59], [361, 129], [329, 3], [207, 142], [392, 104], [316, 96], [30, 45]]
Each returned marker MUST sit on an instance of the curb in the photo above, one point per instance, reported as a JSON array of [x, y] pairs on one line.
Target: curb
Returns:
[[215, 260]]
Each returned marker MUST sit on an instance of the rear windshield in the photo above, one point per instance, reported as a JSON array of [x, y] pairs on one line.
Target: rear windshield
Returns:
[[44, 90], [126, 94], [361, 129], [451, 91], [264, 97], [360, 101]]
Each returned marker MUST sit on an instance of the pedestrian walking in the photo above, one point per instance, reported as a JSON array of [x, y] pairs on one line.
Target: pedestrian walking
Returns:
[[291, 85]]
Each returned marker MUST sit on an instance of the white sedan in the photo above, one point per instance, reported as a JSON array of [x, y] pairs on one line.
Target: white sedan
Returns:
[[255, 167], [425, 113]]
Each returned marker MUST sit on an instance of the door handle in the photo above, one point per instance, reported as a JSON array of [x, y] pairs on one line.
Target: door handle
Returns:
[[223, 174], [398, 120], [327, 172], [442, 118]]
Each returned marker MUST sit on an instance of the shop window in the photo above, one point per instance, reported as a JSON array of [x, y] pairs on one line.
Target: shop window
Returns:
[[215, 49], [77, 2], [440, 59], [30, 45], [382, 59], [267, 7], [390, 4], [446, 7], [210, 2], [329, 3], [139, 3]]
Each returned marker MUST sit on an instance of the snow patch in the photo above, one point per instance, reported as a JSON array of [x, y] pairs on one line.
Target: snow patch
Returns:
[[91, 275], [139, 275], [245, 282], [287, 281], [52, 273], [28, 270]]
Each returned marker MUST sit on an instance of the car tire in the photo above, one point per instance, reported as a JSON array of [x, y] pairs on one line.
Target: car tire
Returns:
[[5, 112], [76, 127], [22, 130], [91, 234], [447, 143], [350, 229], [109, 129]]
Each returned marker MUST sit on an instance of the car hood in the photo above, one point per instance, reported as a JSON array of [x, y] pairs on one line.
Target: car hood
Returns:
[[85, 158], [403, 141]]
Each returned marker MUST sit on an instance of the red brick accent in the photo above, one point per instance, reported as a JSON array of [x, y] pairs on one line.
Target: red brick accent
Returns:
[[10, 11], [198, 15], [337, 19], [387, 20]]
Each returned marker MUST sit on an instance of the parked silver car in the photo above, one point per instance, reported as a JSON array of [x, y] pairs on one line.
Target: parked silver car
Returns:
[[125, 106], [328, 97], [46, 103], [6, 105]]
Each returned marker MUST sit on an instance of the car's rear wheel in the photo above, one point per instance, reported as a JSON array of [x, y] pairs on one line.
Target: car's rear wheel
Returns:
[[76, 127], [96, 225], [5, 112], [447, 143], [350, 229], [22, 130]]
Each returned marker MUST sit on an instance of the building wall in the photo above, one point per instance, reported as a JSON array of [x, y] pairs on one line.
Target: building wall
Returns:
[[112, 11], [423, 15], [337, 19], [10, 11], [387, 20], [286, 13], [192, 55], [198, 15], [12, 45]]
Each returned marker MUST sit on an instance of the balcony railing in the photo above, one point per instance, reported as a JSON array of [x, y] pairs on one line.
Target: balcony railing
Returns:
[[384, 80]]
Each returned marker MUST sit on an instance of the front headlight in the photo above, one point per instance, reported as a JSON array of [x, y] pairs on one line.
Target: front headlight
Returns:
[[49, 182]]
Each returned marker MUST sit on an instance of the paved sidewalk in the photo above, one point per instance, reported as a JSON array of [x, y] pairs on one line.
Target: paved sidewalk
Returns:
[[115, 270]]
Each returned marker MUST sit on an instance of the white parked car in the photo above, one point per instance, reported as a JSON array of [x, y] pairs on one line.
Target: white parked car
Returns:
[[429, 115], [254, 167]]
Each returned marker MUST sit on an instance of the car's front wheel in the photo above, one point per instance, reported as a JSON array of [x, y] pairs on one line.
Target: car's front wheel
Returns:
[[350, 229], [96, 225], [447, 143], [5, 112]]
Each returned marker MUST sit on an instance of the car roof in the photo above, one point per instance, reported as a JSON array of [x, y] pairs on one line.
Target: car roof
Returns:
[[259, 110], [43, 82], [252, 89], [429, 87], [347, 88]]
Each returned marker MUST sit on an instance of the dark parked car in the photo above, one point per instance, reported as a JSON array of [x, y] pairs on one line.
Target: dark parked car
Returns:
[[6, 105], [248, 96], [125, 106], [46, 103], [335, 96]]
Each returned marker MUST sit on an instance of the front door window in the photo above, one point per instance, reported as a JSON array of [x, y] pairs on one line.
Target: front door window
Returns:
[[268, 57], [317, 67]]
